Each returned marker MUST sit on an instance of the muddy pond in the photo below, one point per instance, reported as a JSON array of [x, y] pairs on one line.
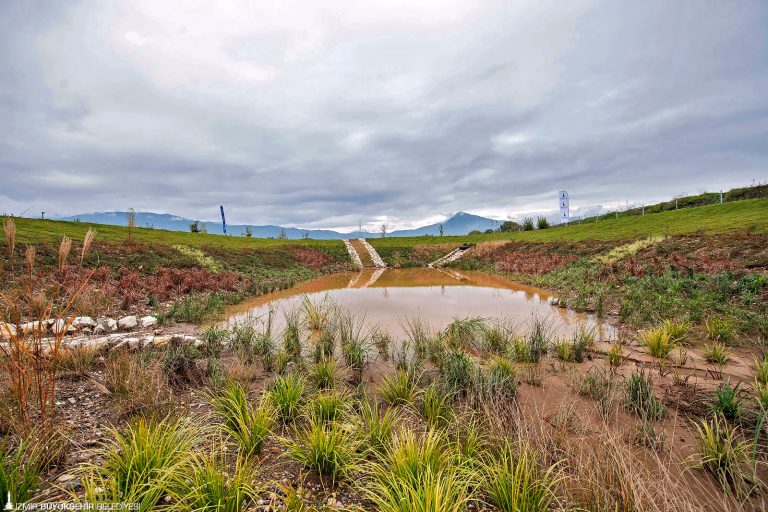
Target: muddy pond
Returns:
[[388, 297]]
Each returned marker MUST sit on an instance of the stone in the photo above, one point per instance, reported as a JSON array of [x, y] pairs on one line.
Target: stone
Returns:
[[7, 331], [83, 322], [99, 329], [133, 343], [159, 341], [128, 322], [109, 324], [148, 321], [30, 327]]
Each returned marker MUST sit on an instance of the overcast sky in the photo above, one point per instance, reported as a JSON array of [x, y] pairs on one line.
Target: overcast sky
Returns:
[[320, 113]]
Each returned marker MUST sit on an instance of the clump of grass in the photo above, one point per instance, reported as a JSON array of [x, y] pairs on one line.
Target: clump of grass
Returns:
[[466, 333], [211, 484], [378, 425], [292, 333], [517, 479], [657, 342], [325, 373], [761, 369], [355, 355], [723, 453], [640, 398], [677, 330], [287, 395], [137, 386], [458, 370], [418, 473], [563, 349], [325, 344], [214, 338], [538, 339], [21, 470], [573, 350], [196, 308], [316, 315], [180, 367], [716, 353], [719, 329], [501, 378], [328, 406], [615, 356], [382, 341], [329, 448], [497, 337], [726, 401], [399, 389], [139, 463], [242, 336], [761, 396], [436, 407], [248, 426], [76, 362]]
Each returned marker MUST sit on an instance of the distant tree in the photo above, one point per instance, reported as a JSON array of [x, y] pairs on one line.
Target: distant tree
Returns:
[[508, 226], [194, 227], [541, 222], [527, 224], [306, 235], [442, 230], [475, 232], [488, 232], [248, 231], [203, 228], [283, 235], [383, 230]]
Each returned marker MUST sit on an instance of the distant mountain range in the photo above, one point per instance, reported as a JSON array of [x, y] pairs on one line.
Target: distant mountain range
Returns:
[[460, 224]]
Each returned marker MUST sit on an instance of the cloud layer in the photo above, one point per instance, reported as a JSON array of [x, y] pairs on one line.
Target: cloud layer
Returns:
[[318, 114]]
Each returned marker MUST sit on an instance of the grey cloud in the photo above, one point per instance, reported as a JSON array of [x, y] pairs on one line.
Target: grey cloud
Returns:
[[318, 116]]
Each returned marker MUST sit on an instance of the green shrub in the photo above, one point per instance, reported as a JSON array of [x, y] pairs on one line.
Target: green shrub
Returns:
[[501, 378], [139, 464], [287, 395], [719, 329], [196, 308], [436, 408], [399, 389], [248, 426], [328, 406], [726, 401], [458, 370], [21, 470], [723, 453], [329, 448], [517, 480], [378, 425], [325, 373], [640, 398], [214, 338], [211, 484], [657, 341], [463, 334]]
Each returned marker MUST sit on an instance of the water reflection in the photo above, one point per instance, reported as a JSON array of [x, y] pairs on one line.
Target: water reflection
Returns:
[[388, 296]]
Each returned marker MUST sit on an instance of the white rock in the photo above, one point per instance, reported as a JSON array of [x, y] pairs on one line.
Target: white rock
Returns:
[[133, 343], [30, 327], [7, 331], [161, 340], [82, 322], [148, 321], [99, 329], [59, 326], [128, 322]]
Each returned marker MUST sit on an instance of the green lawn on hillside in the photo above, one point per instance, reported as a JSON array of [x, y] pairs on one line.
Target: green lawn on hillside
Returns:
[[747, 214]]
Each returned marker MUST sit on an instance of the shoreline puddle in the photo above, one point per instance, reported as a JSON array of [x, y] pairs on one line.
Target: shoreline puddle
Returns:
[[387, 297]]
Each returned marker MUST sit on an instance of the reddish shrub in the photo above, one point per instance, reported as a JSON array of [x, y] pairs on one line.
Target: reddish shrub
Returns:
[[312, 258]]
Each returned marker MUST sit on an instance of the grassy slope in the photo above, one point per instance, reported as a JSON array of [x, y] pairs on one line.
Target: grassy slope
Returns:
[[36, 231], [711, 219]]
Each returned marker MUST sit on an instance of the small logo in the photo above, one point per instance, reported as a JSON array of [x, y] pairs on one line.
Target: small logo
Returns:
[[9, 503]]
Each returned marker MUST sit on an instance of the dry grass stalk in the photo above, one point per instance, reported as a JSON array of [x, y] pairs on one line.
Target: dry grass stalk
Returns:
[[89, 236], [10, 235], [64, 248], [29, 255]]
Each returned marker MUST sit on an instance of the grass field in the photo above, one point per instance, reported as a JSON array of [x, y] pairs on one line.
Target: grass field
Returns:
[[748, 214]]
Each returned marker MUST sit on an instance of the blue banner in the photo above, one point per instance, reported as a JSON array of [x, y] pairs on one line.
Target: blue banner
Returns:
[[223, 220]]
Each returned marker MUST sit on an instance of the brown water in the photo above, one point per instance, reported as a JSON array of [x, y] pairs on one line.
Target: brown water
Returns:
[[388, 296]]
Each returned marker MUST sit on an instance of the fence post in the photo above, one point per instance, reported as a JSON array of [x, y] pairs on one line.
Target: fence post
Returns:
[[721, 196], [643, 209]]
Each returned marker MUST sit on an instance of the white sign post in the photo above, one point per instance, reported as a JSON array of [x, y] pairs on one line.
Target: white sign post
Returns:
[[565, 208]]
